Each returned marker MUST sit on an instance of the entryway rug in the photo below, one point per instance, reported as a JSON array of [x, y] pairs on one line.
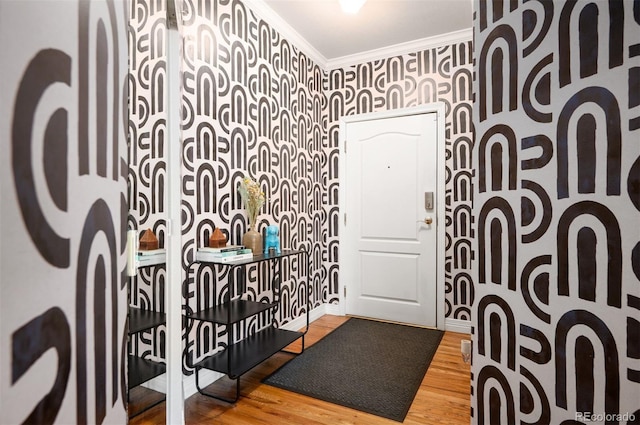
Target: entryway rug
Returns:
[[375, 367]]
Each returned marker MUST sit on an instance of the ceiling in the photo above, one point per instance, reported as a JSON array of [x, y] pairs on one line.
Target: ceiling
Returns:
[[379, 24]]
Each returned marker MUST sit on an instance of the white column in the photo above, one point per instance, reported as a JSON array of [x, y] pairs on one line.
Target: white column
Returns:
[[175, 391]]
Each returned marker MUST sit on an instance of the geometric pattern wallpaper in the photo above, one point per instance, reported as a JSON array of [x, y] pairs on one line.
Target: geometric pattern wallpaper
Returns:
[[542, 192], [253, 104], [557, 207], [439, 74], [147, 126], [63, 213]]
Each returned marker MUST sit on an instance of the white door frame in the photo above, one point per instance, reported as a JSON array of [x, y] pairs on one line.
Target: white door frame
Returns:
[[439, 109]]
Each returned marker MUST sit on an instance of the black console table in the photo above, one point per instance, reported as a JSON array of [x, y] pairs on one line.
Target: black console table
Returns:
[[239, 357], [141, 370]]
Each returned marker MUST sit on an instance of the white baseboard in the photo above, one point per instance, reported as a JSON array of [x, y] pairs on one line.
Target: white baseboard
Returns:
[[333, 309], [159, 383], [457, 325], [207, 377], [301, 321]]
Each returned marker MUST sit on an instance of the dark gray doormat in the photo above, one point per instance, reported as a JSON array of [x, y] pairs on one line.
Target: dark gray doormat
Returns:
[[366, 365]]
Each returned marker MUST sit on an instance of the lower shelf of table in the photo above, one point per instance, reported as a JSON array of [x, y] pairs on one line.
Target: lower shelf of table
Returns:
[[141, 370], [248, 353], [143, 320]]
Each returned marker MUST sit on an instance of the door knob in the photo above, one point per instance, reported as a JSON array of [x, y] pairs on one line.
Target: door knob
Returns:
[[428, 220]]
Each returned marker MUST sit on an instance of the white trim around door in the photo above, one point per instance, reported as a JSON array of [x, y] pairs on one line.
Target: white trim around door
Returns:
[[439, 109]]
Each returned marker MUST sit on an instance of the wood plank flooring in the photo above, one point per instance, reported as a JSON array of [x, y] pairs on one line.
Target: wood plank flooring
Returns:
[[443, 397]]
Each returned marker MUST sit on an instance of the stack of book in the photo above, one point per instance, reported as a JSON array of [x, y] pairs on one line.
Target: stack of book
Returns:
[[151, 257], [224, 255]]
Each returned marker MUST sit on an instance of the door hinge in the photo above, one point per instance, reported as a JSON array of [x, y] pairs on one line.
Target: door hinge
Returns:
[[345, 291], [345, 146], [345, 219]]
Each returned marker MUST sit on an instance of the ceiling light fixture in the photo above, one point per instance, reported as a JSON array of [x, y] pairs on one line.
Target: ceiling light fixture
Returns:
[[351, 6]]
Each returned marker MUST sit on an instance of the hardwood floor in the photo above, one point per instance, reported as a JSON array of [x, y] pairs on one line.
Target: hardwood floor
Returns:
[[443, 397]]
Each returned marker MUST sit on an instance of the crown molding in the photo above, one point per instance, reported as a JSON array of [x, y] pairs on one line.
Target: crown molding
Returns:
[[260, 8], [277, 23], [401, 49]]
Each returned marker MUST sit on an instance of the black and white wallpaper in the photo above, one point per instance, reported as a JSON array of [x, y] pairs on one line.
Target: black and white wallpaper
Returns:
[[557, 207], [252, 105], [147, 125], [543, 245], [63, 212]]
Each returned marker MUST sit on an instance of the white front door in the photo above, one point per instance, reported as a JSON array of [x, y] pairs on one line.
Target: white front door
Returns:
[[388, 253]]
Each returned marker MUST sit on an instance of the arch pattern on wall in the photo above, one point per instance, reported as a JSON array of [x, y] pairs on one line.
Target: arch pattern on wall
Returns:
[[64, 163], [252, 105], [562, 189], [258, 106]]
